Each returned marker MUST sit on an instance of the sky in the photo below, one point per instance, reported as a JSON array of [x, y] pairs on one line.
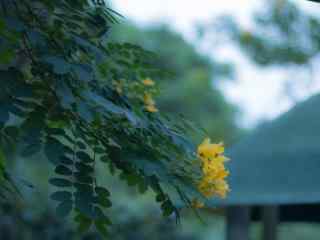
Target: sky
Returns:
[[258, 93]]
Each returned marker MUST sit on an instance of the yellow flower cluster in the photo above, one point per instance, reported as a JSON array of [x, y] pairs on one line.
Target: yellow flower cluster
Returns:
[[213, 181], [148, 82], [148, 100], [149, 103]]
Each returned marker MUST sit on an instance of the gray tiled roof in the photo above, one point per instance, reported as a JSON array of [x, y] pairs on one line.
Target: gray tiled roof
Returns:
[[280, 161]]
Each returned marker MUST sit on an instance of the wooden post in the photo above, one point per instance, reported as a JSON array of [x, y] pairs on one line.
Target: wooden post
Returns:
[[270, 222], [238, 221]]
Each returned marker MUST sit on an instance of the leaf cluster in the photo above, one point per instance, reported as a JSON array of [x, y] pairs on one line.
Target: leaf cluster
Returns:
[[60, 96]]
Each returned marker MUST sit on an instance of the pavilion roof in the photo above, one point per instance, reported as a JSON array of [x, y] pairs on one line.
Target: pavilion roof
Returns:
[[279, 163]]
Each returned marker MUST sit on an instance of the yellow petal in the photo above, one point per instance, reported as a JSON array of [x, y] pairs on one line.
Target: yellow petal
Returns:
[[151, 108], [217, 148], [221, 188], [148, 100], [148, 82], [221, 158]]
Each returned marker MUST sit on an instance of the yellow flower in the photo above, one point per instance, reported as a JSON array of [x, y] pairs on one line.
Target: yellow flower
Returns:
[[149, 103], [213, 181], [206, 188], [148, 82], [209, 166], [212, 188], [209, 150], [215, 171], [222, 174], [195, 203], [151, 108], [222, 158], [221, 188], [148, 100]]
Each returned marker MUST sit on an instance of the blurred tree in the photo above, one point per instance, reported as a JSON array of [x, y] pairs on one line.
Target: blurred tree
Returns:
[[282, 35], [191, 87]]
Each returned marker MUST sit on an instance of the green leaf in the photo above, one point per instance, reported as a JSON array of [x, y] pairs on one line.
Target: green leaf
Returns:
[[62, 170], [84, 223], [100, 216], [83, 168], [143, 187], [53, 150], [2, 164], [64, 208], [4, 113], [160, 197], [83, 71], [104, 158], [101, 228], [2, 25], [60, 182], [81, 145], [84, 207], [103, 192], [105, 104], [65, 94], [60, 66], [105, 202], [132, 179], [66, 160], [14, 24], [61, 196], [6, 56], [99, 54], [83, 178], [99, 150], [113, 143], [112, 168], [84, 157], [167, 208], [84, 188], [85, 111], [56, 131]]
